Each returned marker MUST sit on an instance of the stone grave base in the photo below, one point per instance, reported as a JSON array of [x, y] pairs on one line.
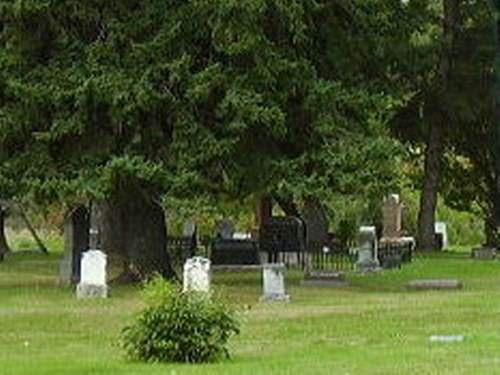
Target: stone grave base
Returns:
[[91, 291], [274, 298], [368, 267], [484, 253], [324, 278], [435, 284]]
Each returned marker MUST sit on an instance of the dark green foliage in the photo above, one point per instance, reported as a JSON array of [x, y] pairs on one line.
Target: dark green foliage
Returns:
[[180, 327], [214, 97]]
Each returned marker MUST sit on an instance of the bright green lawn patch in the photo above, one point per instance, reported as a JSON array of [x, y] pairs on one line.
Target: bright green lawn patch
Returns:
[[373, 326]]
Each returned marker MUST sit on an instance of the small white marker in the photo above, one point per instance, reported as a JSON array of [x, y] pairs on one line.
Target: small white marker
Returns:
[[446, 338]]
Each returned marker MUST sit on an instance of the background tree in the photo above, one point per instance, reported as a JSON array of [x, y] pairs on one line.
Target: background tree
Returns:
[[469, 182]]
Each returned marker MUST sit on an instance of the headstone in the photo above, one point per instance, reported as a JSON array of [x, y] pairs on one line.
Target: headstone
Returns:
[[234, 252], [189, 229], [93, 275], [392, 212], [273, 275], [318, 278], [224, 230], [282, 234], [196, 275], [367, 249], [316, 219], [76, 239], [441, 230]]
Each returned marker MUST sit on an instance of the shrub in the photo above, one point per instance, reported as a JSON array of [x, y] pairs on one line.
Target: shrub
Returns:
[[180, 327]]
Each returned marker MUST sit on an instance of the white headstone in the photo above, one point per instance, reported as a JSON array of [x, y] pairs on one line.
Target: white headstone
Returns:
[[93, 275], [196, 275], [440, 228], [274, 282]]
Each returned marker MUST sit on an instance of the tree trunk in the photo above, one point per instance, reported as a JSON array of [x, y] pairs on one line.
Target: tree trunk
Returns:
[[31, 229], [133, 231], [4, 246], [428, 199], [263, 209], [435, 142], [316, 221], [79, 243], [490, 230]]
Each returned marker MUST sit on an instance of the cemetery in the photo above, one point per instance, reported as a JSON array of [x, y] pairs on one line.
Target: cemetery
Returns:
[[249, 187], [374, 306], [375, 323]]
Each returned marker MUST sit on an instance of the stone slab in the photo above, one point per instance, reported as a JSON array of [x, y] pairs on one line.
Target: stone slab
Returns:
[[275, 298], [91, 291], [435, 284], [324, 279], [447, 338]]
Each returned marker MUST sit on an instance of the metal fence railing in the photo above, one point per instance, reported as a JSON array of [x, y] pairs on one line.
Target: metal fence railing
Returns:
[[324, 257]]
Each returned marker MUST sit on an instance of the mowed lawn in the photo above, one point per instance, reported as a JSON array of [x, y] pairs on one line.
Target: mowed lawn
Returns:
[[375, 325]]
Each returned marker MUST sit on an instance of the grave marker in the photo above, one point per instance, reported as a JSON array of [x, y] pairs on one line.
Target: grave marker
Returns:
[[224, 230], [273, 275], [196, 275], [392, 213], [367, 249], [93, 275], [441, 230], [189, 229], [281, 235]]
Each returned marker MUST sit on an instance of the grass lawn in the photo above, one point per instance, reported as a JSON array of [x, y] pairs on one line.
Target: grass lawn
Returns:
[[372, 326]]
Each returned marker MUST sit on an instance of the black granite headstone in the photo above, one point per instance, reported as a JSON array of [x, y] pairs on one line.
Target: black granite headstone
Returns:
[[282, 234]]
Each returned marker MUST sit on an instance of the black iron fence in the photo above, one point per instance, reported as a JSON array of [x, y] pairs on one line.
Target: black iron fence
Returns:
[[331, 258], [393, 255], [322, 257]]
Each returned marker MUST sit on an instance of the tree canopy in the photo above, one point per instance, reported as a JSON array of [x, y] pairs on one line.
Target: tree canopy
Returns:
[[210, 95], [215, 98]]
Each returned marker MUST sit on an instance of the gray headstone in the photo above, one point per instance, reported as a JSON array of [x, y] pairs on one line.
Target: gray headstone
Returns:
[[224, 230], [93, 275], [189, 230], [273, 275], [367, 249]]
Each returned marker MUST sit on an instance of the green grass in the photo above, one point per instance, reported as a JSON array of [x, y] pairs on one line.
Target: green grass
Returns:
[[372, 326]]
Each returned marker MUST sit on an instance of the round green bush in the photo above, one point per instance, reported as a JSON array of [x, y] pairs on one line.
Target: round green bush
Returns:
[[180, 327]]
